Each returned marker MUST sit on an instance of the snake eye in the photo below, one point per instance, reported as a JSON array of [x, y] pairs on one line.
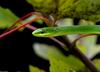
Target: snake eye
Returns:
[[38, 31], [42, 32]]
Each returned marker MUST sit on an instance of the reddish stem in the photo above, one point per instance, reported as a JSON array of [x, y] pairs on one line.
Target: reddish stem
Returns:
[[39, 16], [24, 17], [13, 30], [82, 36], [19, 21]]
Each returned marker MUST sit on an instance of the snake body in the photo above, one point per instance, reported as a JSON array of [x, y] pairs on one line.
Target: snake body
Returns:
[[58, 31]]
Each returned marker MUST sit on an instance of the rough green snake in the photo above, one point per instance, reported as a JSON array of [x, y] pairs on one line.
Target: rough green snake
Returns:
[[58, 31]]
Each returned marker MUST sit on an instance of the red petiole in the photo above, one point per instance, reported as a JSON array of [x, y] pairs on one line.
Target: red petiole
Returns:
[[8, 31]]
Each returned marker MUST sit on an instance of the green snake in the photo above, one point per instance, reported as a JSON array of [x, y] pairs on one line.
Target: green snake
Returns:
[[59, 31]]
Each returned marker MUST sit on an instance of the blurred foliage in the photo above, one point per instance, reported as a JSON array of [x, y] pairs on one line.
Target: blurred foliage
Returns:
[[97, 63], [7, 18], [58, 61], [83, 9], [34, 69], [88, 44], [47, 6], [61, 63]]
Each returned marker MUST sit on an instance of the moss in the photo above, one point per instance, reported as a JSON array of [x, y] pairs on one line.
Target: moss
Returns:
[[83, 9], [46, 6]]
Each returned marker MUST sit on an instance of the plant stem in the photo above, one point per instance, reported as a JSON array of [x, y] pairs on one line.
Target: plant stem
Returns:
[[15, 29], [29, 19], [75, 51]]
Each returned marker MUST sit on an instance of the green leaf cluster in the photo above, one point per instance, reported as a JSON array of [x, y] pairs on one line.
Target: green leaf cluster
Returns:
[[58, 61], [83, 9], [61, 63], [47, 6], [34, 69]]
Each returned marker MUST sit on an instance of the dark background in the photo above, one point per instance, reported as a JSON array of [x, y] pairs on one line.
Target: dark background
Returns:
[[16, 52]]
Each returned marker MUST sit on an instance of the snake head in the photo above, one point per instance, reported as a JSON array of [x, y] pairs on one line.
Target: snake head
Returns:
[[41, 32], [49, 32]]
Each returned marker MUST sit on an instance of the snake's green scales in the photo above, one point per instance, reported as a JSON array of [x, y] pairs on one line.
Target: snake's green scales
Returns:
[[58, 31]]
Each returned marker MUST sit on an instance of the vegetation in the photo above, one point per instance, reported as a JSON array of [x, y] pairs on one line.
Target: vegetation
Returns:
[[64, 12]]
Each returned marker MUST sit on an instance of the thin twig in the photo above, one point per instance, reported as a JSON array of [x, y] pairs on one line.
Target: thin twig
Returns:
[[15, 29], [82, 36]]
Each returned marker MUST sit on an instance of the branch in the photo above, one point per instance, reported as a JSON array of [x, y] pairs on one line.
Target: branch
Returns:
[[75, 51]]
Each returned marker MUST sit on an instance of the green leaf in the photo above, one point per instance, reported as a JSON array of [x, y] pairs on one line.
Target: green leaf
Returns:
[[7, 18], [61, 63], [83, 9], [60, 66], [97, 63], [47, 6], [58, 61], [42, 50], [34, 69]]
